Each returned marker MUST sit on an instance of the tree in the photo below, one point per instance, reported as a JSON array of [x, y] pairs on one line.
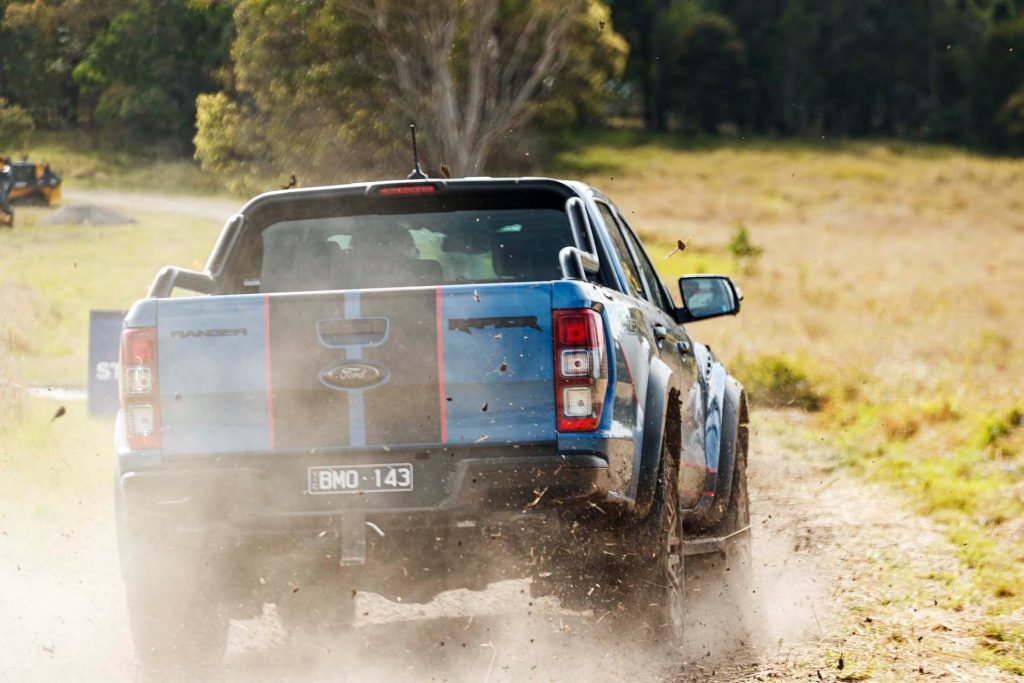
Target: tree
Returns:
[[1011, 121], [15, 125], [705, 67], [999, 76], [42, 42], [143, 71], [472, 71], [325, 88], [642, 23], [302, 97]]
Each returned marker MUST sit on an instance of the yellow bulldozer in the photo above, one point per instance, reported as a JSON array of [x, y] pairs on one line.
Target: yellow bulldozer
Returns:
[[29, 182]]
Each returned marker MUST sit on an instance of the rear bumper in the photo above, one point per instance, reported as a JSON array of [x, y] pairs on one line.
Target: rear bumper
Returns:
[[269, 496]]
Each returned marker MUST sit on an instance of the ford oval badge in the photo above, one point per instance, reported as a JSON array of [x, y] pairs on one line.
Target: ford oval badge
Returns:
[[353, 375]]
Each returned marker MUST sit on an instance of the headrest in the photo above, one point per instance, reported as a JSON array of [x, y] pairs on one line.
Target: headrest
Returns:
[[381, 238], [527, 255]]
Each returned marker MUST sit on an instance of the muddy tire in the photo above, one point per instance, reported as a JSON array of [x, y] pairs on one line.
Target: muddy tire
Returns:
[[179, 623], [737, 516], [736, 521], [653, 584]]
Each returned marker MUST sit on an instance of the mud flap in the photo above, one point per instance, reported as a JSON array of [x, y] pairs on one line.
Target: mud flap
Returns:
[[655, 407], [704, 545], [353, 540]]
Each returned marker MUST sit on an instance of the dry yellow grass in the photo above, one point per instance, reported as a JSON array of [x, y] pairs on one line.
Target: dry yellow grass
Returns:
[[898, 268], [51, 276]]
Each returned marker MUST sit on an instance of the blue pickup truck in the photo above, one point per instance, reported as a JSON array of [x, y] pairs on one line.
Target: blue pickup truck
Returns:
[[413, 386]]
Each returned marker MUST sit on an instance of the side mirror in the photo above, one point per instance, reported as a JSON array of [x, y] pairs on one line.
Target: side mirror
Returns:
[[707, 296], [170, 277]]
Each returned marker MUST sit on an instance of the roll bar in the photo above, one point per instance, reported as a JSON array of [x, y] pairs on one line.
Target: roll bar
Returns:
[[581, 259]]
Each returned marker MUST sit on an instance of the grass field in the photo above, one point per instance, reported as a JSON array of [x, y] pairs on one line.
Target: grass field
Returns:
[[51, 276], [882, 287], [887, 294], [85, 162]]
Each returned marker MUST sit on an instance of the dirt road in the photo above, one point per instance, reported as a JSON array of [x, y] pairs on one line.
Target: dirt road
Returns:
[[841, 569], [211, 208]]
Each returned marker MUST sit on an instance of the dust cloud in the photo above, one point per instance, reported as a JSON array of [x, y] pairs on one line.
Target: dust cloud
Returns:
[[64, 611]]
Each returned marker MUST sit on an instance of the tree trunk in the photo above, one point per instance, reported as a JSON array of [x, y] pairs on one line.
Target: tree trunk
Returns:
[[506, 63]]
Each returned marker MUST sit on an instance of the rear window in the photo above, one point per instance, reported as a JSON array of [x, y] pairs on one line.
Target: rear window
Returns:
[[413, 249], [23, 173]]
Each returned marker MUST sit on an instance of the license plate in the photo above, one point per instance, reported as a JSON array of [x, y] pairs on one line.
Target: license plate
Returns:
[[360, 478]]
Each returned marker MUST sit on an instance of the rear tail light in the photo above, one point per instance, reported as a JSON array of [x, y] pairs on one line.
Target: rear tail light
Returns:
[[140, 389], [581, 369]]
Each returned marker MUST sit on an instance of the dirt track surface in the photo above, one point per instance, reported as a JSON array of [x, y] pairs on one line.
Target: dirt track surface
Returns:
[[839, 569], [210, 208]]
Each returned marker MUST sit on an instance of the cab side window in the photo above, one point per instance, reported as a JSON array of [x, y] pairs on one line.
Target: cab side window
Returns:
[[622, 251], [647, 269]]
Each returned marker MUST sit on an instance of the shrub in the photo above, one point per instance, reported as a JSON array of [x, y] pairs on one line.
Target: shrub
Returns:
[[903, 421], [994, 432], [1010, 119], [15, 125], [778, 381], [743, 249]]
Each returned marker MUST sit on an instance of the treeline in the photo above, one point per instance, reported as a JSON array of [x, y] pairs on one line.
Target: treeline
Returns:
[[269, 75], [947, 70], [129, 69]]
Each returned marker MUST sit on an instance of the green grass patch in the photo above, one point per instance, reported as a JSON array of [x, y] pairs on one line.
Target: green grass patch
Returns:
[[997, 432], [51, 276], [83, 160], [690, 261], [963, 470], [48, 464], [779, 381], [1003, 645]]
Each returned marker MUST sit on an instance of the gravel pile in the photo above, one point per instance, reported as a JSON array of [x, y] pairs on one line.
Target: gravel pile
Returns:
[[85, 214]]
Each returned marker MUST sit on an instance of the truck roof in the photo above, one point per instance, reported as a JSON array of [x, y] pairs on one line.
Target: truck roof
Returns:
[[568, 187]]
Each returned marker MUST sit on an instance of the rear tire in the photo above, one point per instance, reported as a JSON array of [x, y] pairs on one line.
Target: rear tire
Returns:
[[630, 574], [738, 558], [179, 621], [663, 613], [651, 582]]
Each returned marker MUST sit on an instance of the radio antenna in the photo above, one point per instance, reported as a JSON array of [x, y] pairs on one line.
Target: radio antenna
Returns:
[[417, 172]]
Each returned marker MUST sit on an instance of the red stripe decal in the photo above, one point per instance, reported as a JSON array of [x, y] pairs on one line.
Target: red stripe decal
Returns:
[[708, 494], [443, 400], [266, 361], [712, 470]]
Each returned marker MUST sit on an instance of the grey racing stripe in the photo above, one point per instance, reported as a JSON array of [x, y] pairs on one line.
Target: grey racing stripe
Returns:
[[356, 406]]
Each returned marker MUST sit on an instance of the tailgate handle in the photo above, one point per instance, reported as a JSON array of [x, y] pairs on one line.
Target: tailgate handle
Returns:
[[340, 332]]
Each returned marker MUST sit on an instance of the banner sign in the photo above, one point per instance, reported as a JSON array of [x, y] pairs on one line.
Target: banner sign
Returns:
[[104, 346]]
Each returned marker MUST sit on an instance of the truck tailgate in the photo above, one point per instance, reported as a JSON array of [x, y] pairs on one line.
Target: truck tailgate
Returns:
[[356, 369]]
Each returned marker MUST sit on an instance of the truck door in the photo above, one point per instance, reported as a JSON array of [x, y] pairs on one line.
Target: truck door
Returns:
[[674, 347]]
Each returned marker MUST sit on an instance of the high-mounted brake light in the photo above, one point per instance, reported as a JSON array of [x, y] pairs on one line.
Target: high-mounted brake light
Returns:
[[140, 389], [393, 190], [581, 369]]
